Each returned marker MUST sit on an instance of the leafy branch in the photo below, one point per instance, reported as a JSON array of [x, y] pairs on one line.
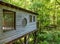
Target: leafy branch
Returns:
[[58, 2]]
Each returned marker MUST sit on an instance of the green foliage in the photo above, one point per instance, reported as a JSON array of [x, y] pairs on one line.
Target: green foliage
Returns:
[[49, 37]]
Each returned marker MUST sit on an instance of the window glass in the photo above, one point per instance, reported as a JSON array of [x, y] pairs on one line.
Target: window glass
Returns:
[[33, 18], [8, 20], [30, 17]]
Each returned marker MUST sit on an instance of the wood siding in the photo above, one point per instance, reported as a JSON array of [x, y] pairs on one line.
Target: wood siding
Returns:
[[20, 30]]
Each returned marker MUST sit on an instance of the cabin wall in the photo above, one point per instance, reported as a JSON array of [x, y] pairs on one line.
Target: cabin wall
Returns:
[[1, 0], [20, 30], [1, 20]]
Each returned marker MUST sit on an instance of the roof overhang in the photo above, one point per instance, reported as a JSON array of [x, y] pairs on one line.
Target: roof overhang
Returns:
[[13, 6]]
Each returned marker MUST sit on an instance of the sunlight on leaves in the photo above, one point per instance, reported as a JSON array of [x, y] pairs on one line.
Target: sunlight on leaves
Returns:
[[51, 1], [30, 39]]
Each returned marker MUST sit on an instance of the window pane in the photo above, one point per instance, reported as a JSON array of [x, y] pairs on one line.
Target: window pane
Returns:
[[24, 22], [8, 20], [30, 17], [33, 18]]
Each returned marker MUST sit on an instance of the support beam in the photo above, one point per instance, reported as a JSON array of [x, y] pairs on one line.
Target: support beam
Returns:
[[26, 38], [35, 37]]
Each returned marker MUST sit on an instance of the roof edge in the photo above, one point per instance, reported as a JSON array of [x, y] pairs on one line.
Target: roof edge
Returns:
[[19, 8]]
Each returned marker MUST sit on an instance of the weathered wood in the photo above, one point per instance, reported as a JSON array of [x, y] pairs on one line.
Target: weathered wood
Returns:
[[9, 36]]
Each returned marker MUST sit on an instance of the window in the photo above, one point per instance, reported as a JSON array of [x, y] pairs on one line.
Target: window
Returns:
[[8, 20], [24, 22], [33, 18], [30, 17]]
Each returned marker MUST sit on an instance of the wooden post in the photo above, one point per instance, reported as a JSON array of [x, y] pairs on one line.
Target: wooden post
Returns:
[[26, 39], [35, 40]]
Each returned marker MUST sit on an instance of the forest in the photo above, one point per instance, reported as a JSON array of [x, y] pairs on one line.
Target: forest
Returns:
[[48, 18]]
